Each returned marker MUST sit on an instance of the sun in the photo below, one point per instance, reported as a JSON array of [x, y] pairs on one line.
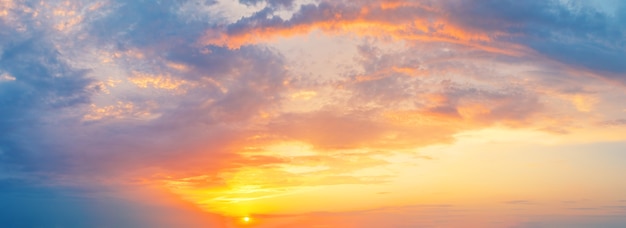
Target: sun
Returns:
[[246, 219]]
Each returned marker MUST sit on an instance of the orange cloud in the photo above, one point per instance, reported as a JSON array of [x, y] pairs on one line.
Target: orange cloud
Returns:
[[400, 20], [167, 82], [118, 111], [5, 6]]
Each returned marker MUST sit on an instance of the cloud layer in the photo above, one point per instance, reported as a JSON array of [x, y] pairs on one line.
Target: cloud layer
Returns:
[[176, 95]]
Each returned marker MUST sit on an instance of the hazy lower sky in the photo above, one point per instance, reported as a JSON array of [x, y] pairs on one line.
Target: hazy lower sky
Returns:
[[313, 113]]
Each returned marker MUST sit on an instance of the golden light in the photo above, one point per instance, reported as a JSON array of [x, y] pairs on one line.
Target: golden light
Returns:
[[246, 219]]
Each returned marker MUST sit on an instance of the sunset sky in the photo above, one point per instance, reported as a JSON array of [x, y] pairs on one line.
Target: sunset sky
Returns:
[[313, 113]]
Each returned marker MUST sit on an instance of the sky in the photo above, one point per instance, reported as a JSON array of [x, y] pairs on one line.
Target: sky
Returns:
[[312, 113]]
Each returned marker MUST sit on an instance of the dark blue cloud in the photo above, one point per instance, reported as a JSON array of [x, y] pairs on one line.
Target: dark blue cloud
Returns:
[[31, 131], [146, 23], [575, 34], [273, 3], [252, 79], [253, 76], [44, 85]]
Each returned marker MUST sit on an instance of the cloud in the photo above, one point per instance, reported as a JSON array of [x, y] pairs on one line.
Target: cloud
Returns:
[[273, 3], [215, 113], [56, 112], [519, 202], [574, 34], [381, 107], [413, 21], [569, 34], [141, 24], [329, 130], [44, 83]]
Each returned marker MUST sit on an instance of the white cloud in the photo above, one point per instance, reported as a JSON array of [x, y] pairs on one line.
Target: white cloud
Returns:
[[6, 77]]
